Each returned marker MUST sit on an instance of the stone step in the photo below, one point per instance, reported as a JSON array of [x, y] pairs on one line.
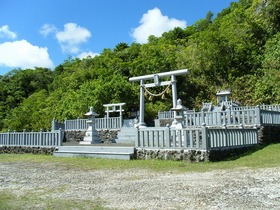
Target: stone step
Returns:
[[127, 135], [124, 153]]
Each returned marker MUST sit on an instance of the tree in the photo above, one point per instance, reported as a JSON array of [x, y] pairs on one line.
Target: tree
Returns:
[[267, 88]]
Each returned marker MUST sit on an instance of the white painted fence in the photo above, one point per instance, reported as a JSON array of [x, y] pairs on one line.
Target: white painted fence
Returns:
[[81, 124], [165, 114], [231, 137], [270, 117], [76, 124], [163, 137], [108, 123], [228, 117], [202, 138], [32, 139], [273, 107], [240, 115]]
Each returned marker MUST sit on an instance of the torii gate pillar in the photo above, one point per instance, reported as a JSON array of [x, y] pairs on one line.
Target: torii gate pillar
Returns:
[[156, 83], [174, 90], [141, 122]]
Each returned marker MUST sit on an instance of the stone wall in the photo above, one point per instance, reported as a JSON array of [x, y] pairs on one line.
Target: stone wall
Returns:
[[192, 155], [269, 134], [32, 150], [172, 154], [163, 122], [106, 136], [73, 136]]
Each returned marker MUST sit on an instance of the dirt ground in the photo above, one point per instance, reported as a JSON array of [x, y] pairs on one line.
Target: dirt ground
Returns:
[[143, 189]]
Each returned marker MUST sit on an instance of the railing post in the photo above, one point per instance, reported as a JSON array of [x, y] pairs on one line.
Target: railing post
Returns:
[[226, 139], [23, 138], [14, 138], [242, 134], [137, 143], [65, 123], [271, 116], [258, 115], [256, 136], [78, 123], [59, 143], [41, 137], [121, 121], [8, 138], [228, 116], [205, 139], [202, 118]]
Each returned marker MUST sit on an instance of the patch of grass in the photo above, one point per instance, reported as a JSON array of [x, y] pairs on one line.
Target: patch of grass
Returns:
[[31, 200], [264, 157]]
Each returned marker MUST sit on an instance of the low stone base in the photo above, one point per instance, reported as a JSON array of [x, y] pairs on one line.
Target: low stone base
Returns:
[[192, 155], [172, 154], [32, 150], [106, 136], [269, 134]]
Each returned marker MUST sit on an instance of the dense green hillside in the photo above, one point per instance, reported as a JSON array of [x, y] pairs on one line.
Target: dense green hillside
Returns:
[[239, 49]]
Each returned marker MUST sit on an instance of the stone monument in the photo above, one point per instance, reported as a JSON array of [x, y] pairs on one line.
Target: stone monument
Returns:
[[91, 135]]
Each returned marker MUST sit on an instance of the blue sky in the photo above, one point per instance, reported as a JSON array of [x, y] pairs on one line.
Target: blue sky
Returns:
[[44, 33]]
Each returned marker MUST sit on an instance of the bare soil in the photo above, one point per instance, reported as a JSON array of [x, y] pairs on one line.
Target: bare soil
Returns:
[[144, 189]]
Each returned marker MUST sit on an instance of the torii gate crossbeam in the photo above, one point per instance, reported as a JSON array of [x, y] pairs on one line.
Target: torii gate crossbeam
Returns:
[[156, 83]]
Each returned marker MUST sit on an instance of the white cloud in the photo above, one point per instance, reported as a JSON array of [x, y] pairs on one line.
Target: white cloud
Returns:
[[154, 23], [22, 54], [6, 33], [71, 37], [46, 29], [86, 54]]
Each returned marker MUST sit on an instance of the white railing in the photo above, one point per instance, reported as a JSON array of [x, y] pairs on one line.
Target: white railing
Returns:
[[100, 123], [270, 117], [273, 107], [202, 138], [165, 114], [228, 117], [231, 137], [32, 139], [77, 124], [250, 116], [108, 123], [170, 138]]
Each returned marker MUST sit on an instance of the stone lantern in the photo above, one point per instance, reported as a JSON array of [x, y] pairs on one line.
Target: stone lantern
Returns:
[[91, 135], [178, 114]]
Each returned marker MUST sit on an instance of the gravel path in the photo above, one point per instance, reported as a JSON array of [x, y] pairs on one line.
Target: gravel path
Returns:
[[143, 189]]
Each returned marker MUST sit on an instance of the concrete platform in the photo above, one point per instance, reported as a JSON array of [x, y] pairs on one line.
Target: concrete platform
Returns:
[[110, 152]]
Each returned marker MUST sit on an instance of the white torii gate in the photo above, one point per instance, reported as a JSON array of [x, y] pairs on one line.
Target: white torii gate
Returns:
[[156, 83], [112, 108]]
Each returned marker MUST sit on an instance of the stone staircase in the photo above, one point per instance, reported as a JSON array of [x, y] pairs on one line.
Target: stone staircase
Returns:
[[110, 152], [127, 136]]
